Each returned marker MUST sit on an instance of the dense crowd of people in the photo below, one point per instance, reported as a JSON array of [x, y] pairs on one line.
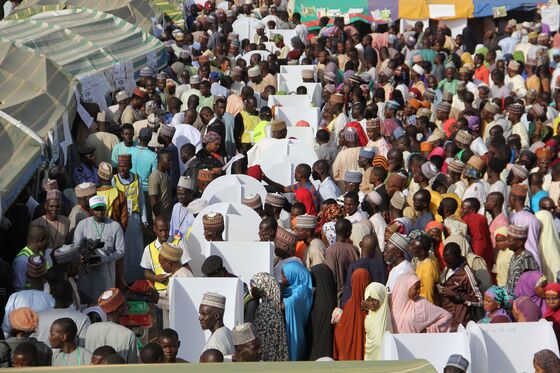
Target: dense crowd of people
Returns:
[[434, 200]]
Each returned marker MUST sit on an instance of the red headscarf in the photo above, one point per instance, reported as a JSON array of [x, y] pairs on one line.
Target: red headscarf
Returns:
[[550, 314], [349, 333], [362, 136], [447, 126], [304, 196]]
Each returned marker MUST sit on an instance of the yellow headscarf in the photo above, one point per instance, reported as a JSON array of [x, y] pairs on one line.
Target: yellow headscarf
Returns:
[[378, 322]]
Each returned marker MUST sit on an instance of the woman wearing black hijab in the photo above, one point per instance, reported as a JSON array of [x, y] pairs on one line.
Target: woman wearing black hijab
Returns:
[[319, 328], [469, 42]]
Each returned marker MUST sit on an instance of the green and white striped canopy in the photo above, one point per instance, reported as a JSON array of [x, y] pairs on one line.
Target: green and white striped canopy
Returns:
[[83, 41], [137, 12], [36, 97]]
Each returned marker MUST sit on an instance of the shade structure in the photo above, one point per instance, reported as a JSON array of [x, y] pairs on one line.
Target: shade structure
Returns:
[[83, 41], [138, 12], [36, 98]]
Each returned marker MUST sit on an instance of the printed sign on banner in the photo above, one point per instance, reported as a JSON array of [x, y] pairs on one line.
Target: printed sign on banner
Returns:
[[441, 10], [261, 254], [185, 295], [551, 16]]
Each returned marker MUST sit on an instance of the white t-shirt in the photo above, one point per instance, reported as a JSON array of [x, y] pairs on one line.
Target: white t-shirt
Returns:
[[403, 267]]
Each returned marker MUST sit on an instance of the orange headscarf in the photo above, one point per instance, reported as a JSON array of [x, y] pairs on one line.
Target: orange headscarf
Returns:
[[349, 333]]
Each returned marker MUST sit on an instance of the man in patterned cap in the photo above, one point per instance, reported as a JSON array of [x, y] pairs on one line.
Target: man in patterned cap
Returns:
[[521, 216], [132, 112], [376, 141], [214, 227], [110, 333], [346, 159], [24, 321], [455, 170], [165, 138], [285, 249], [117, 206], [390, 123], [254, 202], [473, 173], [130, 185], [211, 317], [397, 253], [80, 211], [170, 259], [312, 250], [247, 344], [456, 363], [516, 111], [522, 260]]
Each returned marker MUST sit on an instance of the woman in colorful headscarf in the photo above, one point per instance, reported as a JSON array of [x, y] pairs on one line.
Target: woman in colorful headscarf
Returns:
[[209, 155], [297, 295], [524, 310], [349, 332], [378, 319], [435, 230], [269, 322], [546, 361], [411, 313], [531, 284], [552, 298], [331, 214], [498, 303], [304, 196], [319, 327]]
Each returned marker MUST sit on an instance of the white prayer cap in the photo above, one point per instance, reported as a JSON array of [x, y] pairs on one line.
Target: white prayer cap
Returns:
[[214, 300]]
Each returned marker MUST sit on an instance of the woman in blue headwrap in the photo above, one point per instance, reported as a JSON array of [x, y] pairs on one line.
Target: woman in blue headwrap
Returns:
[[498, 302], [297, 296]]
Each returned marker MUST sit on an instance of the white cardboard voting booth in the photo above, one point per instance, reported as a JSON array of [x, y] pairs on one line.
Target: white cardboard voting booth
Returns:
[[313, 89], [305, 134], [295, 151], [245, 27], [293, 72], [235, 215], [478, 348], [511, 346], [232, 188], [290, 100], [291, 115], [434, 347], [185, 295], [247, 56], [244, 259]]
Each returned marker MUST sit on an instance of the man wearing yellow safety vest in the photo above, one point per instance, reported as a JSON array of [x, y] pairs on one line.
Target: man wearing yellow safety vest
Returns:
[[153, 270], [116, 201], [37, 242], [131, 185], [248, 120]]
